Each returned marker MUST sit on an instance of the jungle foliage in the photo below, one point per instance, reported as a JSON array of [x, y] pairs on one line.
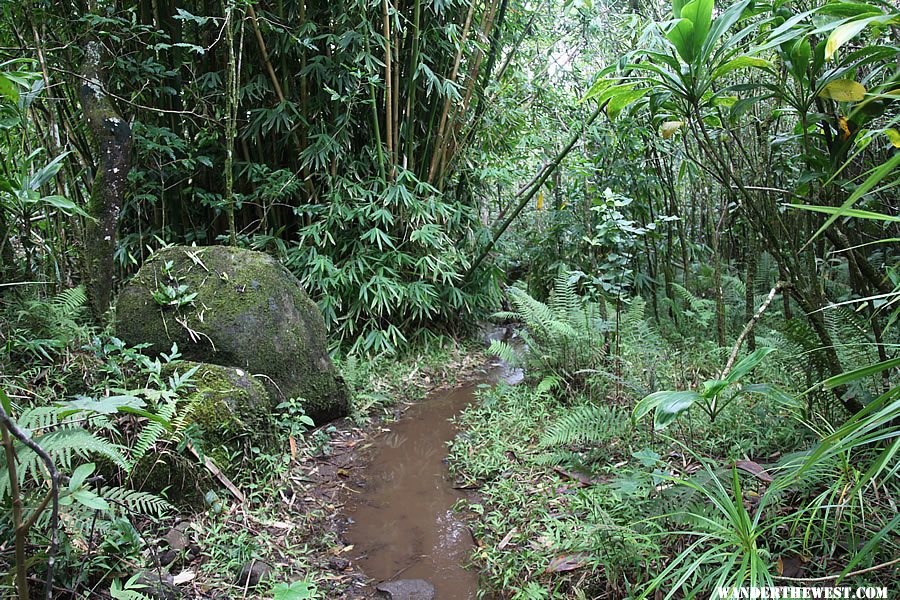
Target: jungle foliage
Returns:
[[687, 209]]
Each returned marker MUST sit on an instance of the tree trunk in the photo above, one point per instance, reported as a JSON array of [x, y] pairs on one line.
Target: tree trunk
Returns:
[[111, 138], [748, 291]]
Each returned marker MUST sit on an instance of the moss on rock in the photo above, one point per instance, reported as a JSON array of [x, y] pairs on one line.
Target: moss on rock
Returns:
[[230, 411], [226, 404], [249, 312]]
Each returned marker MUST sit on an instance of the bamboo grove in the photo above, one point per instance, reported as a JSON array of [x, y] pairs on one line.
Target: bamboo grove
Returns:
[[337, 127]]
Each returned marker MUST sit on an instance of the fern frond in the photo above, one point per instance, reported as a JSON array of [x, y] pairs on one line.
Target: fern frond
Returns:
[[62, 445], [142, 503], [587, 424], [503, 351], [69, 303]]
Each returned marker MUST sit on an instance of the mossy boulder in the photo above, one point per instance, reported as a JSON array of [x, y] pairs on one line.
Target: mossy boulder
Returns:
[[227, 405], [248, 312], [230, 411]]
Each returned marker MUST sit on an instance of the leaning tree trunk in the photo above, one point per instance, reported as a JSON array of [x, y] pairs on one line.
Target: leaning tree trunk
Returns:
[[111, 138]]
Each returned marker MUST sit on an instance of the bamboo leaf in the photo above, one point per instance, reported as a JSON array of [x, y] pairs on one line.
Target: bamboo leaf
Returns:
[[848, 212]]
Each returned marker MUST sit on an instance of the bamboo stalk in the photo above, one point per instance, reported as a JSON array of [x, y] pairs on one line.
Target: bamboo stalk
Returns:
[[439, 143], [388, 85], [265, 53], [528, 193], [411, 93]]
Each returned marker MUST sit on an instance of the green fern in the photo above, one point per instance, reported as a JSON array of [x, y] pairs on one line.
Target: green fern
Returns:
[[563, 337], [62, 440], [142, 503], [699, 309], [587, 424], [69, 303]]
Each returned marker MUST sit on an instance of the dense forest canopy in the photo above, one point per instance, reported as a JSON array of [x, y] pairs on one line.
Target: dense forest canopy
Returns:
[[689, 209]]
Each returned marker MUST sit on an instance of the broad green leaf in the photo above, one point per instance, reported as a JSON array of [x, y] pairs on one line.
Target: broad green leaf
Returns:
[[90, 500], [699, 12], [681, 37], [610, 92], [597, 88], [299, 590], [621, 101], [741, 62], [667, 404], [65, 205], [80, 474], [647, 457], [846, 32], [848, 9], [713, 387], [843, 90], [6, 402], [842, 35], [671, 406], [8, 89], [747, 364], [800, 55]]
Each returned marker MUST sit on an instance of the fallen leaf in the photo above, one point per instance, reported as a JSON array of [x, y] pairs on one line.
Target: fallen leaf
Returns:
[[754, 469], [505, 541], [566, 562], [184, 577]]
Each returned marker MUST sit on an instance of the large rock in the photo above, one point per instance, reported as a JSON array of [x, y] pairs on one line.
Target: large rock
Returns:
[[230, 411], [405, 589], [248, 312], [227, 404]]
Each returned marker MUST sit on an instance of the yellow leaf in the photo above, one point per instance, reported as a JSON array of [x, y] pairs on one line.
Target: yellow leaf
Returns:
[[844, 90], [844, 126], [669, 128], [894, 136], [842, 35], [540, 203]]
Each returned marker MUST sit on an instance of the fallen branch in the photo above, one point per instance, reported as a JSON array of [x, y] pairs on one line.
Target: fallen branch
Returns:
[[750, 325], [527, 193], [217, 472]]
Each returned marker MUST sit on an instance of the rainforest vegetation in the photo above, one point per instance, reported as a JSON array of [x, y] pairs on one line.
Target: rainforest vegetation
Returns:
[[686, 213]]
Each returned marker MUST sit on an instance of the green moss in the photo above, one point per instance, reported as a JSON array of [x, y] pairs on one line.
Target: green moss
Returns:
[[181, 479], [227, 405]]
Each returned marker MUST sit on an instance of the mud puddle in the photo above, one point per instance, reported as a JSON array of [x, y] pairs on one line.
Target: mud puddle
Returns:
[[403, 525]]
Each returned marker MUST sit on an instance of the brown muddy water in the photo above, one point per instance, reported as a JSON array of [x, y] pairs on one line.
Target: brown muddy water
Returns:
[[403, 525]]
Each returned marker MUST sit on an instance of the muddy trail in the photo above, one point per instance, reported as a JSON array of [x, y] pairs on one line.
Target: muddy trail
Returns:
[[402, 523]]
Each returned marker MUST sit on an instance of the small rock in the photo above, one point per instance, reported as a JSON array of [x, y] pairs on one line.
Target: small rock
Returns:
[[159, 586], [177, 537], [252, 573], [405, 589], [167, 557]]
